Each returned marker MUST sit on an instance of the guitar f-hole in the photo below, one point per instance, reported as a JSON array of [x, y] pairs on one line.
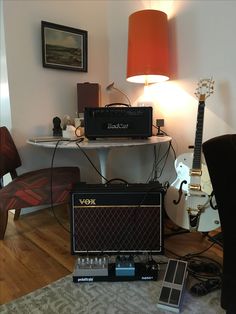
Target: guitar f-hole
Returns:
[[176, 202]]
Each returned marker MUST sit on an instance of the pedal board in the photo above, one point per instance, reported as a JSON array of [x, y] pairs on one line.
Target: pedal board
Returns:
[[91, 269], [173, 285]]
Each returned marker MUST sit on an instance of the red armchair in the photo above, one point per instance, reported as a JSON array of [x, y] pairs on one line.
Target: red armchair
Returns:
[[32, 188]]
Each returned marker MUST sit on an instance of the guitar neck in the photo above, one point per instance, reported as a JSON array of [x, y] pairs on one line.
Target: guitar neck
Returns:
[[198, 137]]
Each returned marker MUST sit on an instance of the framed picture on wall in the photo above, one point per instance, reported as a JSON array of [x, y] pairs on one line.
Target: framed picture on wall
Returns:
[[64, 47]]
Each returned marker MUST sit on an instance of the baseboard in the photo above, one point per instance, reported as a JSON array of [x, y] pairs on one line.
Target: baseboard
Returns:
[[29, 210]]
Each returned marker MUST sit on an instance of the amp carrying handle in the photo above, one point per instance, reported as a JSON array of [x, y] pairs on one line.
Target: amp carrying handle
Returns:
[[117, 104], [116, 179]]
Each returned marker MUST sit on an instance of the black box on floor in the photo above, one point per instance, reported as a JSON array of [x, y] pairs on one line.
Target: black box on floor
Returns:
[[117, 219]]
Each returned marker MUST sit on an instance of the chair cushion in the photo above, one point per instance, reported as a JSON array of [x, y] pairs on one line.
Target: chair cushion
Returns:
[[34, 188]]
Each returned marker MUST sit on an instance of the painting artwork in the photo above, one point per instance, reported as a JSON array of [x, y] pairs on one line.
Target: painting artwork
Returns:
[[64, 47]]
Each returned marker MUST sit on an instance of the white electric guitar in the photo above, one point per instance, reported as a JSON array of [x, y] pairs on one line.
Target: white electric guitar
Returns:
[[188, 201]]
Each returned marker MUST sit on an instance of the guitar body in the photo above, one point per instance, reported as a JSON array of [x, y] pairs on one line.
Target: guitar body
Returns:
[[209, 218], [183, 164], [188, 200]]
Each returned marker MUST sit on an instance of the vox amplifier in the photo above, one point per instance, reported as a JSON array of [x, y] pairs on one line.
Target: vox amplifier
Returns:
[[134, 122], [117, 218]]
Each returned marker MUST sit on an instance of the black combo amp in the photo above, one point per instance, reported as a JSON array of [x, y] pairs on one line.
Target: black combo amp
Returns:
[[134, 122], [117, 218]]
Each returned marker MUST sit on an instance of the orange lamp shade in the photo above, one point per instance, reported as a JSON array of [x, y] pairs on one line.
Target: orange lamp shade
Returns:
[[147, 59]]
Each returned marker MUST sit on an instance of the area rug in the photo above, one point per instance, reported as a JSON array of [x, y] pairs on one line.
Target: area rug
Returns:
[[137, 297]]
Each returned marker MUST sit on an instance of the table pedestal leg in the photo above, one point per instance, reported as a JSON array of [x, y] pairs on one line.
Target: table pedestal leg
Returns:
[[103, 157]]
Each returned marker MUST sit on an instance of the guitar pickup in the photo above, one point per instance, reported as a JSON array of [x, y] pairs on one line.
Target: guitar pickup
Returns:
[[195, 172], [195, 187]]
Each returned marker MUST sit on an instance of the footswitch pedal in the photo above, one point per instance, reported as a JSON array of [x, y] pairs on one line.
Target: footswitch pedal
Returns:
[[92, 266], [173, 285]]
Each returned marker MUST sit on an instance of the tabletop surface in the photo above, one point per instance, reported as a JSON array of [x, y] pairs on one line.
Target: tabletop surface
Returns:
[[102, 142]]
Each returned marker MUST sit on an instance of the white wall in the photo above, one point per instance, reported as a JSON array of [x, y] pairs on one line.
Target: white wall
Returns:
[[38, 94], [5, 110], [202, 33], [201, 45]]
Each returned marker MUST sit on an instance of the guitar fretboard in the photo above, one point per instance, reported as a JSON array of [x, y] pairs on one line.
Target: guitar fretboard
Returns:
[[198, 137]]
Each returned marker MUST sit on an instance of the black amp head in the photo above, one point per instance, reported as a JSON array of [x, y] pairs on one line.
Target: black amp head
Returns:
[[134, 122]]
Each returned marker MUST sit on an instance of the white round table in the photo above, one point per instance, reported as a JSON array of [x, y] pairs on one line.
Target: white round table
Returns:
[[102, 146]]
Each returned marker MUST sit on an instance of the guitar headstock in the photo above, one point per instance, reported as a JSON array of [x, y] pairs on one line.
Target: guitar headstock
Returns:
[[204, 89]]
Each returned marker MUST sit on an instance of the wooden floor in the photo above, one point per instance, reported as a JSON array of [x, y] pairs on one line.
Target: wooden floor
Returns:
[[36, 251]]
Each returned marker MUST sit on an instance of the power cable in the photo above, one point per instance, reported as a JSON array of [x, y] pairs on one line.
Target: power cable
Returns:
[[90, 161]]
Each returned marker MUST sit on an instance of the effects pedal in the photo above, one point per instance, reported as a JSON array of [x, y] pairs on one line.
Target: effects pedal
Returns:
[[92, 266], [173, 285], [125, 266]]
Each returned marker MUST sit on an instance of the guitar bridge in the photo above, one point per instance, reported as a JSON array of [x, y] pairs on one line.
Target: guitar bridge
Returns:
[[198, 210]]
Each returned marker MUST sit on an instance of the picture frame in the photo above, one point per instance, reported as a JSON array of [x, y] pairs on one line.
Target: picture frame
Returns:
[[64, 47]]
